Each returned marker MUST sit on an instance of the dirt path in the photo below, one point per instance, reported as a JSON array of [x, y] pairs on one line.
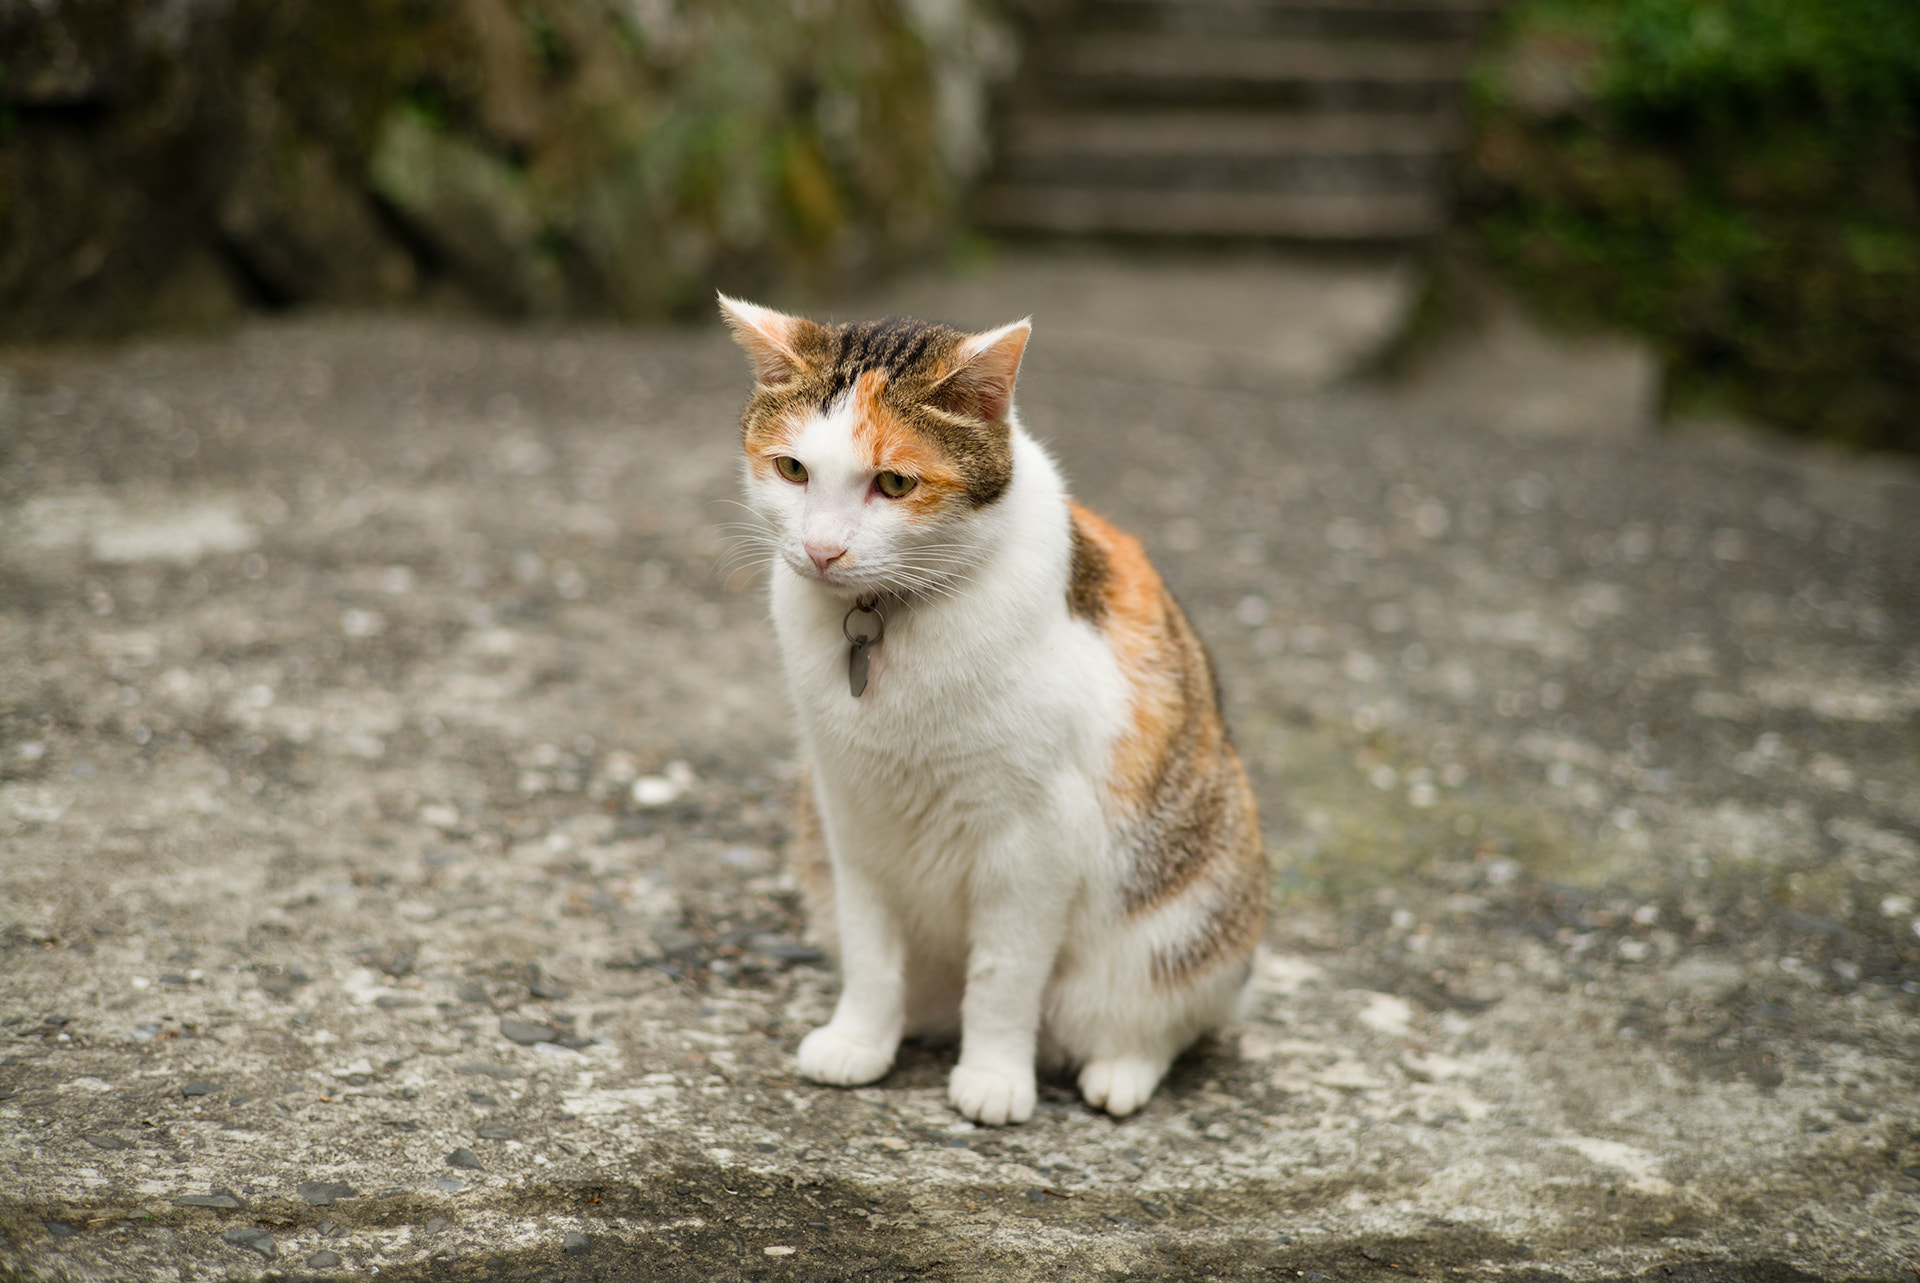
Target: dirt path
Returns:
[[392, 792]]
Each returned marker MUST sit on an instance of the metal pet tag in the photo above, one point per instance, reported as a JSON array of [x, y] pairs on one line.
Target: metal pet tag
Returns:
[[857, 660], [861, 656]]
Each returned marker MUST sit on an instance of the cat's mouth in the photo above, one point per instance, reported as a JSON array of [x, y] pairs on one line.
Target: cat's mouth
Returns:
[[835, 575]]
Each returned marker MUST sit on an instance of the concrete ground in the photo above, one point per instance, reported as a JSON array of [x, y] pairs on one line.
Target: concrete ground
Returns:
[[394, 781]]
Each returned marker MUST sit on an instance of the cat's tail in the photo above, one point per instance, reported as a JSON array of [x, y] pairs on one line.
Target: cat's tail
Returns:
[[808, 862]]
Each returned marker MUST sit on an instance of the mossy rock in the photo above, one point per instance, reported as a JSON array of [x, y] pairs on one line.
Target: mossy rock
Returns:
[[555, 157], [475, 212]]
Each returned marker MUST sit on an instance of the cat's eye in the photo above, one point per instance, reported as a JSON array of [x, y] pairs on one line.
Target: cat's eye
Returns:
[[893, 484], [790, 468]]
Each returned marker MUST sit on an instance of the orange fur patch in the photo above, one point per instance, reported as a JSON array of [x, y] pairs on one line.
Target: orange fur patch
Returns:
[[1161, 659], [767, 442], [887, 442]]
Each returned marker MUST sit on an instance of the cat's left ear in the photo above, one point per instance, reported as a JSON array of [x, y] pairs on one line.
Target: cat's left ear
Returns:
[[773, 340], [980, 384]]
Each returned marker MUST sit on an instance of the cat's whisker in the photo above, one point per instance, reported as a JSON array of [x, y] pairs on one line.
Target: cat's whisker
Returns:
[[750, 547], [759, 552], [761, 526], [752, 543], [742, 533], [759, 530], [728, 570], [932, 580], [734, 503], [747, 548]]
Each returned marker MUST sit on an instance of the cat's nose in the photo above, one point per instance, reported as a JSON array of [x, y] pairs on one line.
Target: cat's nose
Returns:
[[824, 554]]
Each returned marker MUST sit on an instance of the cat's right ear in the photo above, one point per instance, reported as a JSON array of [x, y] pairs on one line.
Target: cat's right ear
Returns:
[[772, 340]]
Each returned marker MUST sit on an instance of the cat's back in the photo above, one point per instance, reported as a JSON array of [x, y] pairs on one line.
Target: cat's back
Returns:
[[1174, 717], [1178, 794]]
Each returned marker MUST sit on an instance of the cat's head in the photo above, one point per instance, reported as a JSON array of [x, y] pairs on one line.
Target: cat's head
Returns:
[[874, 449]]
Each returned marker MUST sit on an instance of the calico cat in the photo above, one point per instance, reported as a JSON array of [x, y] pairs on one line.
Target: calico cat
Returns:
[[1024, 822]]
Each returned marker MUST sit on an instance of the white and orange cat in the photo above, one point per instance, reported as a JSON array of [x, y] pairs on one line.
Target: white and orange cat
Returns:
[[1023, 821]]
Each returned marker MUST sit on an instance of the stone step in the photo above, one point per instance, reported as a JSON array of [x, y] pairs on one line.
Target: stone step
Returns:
[[1039, 138], [1299, 119], [1398, 19], [1142, 69], [1244, 151], [1158, 211]]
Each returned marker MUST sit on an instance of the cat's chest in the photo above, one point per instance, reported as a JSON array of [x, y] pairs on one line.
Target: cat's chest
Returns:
[[942, 686]]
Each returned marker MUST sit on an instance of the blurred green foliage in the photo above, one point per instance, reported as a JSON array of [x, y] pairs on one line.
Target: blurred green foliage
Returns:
[[1850, 59], [1738, 179]]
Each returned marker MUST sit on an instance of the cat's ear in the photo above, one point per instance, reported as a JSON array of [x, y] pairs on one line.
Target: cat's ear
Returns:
[[980, 384], [772, 340]]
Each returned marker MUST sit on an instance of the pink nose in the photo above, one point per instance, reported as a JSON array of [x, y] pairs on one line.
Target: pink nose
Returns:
[[825, 554]]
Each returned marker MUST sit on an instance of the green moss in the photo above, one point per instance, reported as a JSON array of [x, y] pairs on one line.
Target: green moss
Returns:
[[1850, 58], [1352, 837]]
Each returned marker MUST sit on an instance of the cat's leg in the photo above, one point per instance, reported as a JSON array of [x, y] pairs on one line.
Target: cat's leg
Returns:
[[1125, 1026], [1121, 1084], [1017, 919], [994, 1081], [858, 1044], [1111, 1022]]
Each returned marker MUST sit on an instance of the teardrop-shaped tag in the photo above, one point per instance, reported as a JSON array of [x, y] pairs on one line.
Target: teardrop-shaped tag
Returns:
[[862, 653], [857, 661]]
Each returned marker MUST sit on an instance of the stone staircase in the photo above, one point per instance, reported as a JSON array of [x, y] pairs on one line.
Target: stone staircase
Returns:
[[1315, 120]]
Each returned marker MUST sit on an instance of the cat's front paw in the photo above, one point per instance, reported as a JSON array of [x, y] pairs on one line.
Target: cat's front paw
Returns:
[[1120, 1085], [829, 1056], [991, 1095]]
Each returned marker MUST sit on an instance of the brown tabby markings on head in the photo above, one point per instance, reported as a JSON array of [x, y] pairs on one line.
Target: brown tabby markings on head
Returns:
[[919, 405], [1174, 772]]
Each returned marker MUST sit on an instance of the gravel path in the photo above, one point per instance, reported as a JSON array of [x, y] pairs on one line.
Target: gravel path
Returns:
[[393, 787]]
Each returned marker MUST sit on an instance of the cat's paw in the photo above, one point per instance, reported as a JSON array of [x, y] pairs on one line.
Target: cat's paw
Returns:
[[829, 1056], [1120, 1085], [990, 1095]]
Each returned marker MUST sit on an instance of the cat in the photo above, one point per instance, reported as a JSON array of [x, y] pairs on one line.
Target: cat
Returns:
[[1023, 821]]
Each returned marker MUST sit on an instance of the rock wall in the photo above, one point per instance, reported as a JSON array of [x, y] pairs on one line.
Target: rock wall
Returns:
[[176, 161]]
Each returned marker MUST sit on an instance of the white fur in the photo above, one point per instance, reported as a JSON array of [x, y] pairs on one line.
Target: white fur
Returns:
[[978, 863]]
